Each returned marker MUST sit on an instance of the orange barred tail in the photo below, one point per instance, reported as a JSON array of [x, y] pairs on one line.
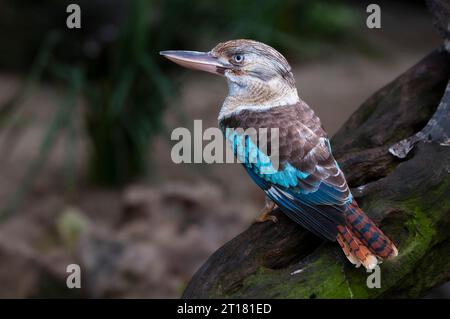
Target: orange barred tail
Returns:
[[362, 241]]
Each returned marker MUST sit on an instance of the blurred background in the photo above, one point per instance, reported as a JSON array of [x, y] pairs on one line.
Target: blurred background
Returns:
[[86, 116]]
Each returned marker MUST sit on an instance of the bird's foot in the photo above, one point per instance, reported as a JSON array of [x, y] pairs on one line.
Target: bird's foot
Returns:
[[265, 217], [265, 213]]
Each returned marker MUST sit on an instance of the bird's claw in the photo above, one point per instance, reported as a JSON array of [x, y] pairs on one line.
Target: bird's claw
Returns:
[[265, 217]]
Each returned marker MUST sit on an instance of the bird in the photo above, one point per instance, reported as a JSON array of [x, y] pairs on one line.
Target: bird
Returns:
[[307, 184]]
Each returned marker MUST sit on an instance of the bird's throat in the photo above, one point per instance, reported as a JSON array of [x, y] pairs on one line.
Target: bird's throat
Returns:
[[257, 97]]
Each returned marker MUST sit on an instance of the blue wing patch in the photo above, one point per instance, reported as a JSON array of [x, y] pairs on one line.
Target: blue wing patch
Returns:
[[248, 153]]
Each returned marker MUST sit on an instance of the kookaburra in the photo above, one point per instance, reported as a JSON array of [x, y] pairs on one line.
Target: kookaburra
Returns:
[[308, 184]]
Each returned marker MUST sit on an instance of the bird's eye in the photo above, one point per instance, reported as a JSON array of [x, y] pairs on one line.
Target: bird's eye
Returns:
[[238, 58]]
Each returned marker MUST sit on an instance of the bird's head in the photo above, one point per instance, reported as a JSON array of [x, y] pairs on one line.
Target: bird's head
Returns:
[[258, 76]]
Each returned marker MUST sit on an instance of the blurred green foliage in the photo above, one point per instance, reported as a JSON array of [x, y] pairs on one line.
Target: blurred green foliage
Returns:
[[300, 26], [112, 63], [126, 103]]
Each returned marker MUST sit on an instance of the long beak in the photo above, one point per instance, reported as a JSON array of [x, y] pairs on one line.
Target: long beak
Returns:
[[203, 61]]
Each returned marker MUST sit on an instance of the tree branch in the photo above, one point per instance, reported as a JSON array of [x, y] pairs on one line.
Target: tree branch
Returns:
[[438, 127]]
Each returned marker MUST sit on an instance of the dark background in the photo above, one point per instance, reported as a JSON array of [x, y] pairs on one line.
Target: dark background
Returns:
[[86, 117]]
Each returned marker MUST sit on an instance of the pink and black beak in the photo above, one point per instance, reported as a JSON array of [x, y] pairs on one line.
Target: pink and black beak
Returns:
[[203, 61]]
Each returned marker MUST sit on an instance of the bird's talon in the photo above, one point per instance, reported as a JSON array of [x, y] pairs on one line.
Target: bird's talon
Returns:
[[266, 217]]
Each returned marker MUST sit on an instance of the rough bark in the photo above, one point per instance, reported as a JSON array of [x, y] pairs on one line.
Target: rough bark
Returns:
[[438, 127], [409, 198]]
